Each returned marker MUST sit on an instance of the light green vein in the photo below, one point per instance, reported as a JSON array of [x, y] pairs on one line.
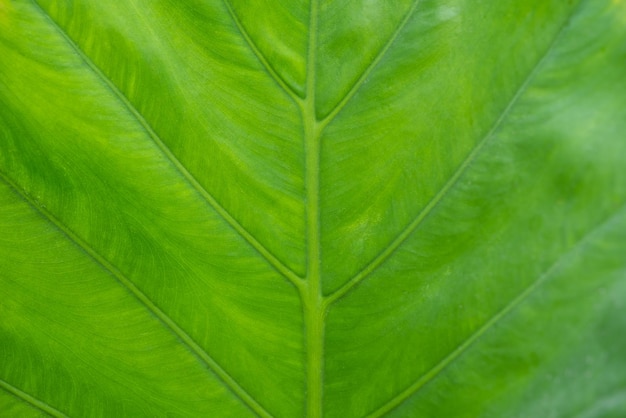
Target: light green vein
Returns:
[[259, 55], [361, 80], [571, 254], [602, 405], [235, 225], [31, 400], [467, 162], [311, 294], [169, 323]]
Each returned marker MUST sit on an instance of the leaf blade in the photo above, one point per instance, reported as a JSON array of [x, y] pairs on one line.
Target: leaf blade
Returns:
[[459, 160], [135, 220]]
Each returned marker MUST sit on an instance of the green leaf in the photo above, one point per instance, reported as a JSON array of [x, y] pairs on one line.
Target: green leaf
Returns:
[[227, 208]]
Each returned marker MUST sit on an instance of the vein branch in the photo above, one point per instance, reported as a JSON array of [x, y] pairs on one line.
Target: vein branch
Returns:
[[361, 80], [167, 322], [279, 266], [449, 185], [259, 55], [37, 403], [571, 254]]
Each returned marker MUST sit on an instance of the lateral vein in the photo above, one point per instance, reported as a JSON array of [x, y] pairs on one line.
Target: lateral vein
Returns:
[[467, 162], [278, 265], [168, 322], [361, 80], [501, 314], [259, 55], [37, 403]]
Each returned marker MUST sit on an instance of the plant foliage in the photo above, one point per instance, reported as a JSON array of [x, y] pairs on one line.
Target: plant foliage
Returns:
[[229, 208]]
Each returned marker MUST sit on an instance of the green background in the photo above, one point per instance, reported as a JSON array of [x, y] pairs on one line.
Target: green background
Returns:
[[315, 208]]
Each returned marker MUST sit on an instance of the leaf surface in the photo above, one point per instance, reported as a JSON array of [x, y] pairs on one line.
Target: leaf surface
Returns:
[[313, 208]]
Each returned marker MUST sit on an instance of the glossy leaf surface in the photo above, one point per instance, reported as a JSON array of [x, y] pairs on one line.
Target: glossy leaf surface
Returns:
[[404, 208]]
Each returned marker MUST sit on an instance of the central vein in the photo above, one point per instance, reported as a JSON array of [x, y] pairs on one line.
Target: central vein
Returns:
[[311, 292]]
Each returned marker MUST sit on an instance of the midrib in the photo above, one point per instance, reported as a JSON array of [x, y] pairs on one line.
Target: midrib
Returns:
[[311, 292]]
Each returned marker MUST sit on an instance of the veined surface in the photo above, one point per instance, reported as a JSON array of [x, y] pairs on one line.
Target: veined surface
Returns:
[[405, 208]]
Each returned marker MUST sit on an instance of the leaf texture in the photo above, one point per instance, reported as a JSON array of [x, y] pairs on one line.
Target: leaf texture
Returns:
[[403, 208]]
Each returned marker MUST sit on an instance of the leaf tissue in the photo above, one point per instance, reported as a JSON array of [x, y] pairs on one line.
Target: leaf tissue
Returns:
[[313, 208]]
